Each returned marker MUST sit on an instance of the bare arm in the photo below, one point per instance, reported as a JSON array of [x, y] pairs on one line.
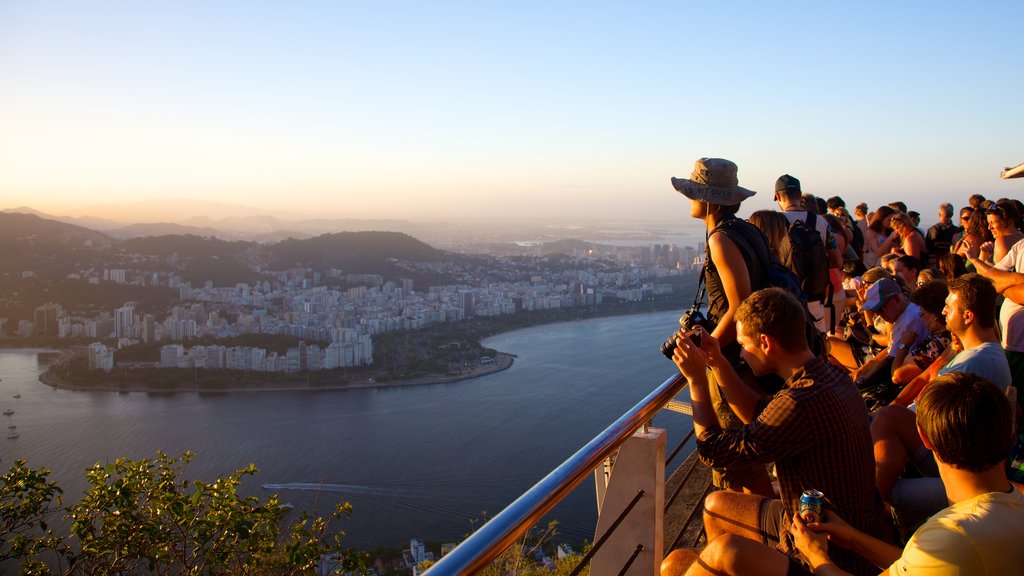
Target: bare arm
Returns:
[[1015, 293], [885, 247], [868, 368], [1009, 284], [692, 362], [732, 269], [812, 541], [915, 247]]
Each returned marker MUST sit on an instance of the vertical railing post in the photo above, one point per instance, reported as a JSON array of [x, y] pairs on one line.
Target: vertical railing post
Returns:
[[639, 466]]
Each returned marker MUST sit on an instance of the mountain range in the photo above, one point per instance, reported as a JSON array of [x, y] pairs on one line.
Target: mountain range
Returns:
[[48, 248]]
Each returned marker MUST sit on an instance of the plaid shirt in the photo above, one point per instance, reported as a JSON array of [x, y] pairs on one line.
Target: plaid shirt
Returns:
[[816, 431]]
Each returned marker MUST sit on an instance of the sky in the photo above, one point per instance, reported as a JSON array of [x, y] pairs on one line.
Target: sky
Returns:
[[556, 110]]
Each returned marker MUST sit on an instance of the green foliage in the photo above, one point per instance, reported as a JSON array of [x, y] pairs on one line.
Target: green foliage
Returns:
[[144, 517], [27, 500], [519, 559]]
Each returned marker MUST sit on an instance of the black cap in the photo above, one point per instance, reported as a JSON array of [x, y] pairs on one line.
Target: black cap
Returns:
[[787, 184]]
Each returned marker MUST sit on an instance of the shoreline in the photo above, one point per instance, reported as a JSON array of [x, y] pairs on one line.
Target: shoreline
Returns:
[[502, 362]]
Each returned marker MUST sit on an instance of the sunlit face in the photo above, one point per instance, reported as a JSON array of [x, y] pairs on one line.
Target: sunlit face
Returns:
[[953, 313], [934, 322], [909, 274], [698, 209], [752, 353], [995, 223]]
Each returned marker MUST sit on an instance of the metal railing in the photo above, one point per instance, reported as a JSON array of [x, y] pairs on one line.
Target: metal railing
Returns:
[[484, 545]]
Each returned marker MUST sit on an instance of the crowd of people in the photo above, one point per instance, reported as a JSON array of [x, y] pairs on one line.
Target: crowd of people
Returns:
[[897, 401]]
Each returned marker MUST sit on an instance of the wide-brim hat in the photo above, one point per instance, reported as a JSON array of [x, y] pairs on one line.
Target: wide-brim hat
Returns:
[[713, 181]]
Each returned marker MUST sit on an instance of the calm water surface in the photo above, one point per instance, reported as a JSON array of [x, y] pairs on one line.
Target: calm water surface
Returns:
[[414, 461]]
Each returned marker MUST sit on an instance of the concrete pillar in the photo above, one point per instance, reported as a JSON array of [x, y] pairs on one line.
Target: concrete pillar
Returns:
[[639, 465]]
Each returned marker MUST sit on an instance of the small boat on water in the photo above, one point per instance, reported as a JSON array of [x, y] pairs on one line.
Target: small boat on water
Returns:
[[16, 396], [12, 434], [12, 427], [8, 412]]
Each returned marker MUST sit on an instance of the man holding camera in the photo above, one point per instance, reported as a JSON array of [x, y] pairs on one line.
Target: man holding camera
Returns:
[[815, 430]]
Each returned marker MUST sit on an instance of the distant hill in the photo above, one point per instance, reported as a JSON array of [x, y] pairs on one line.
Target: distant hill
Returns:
[[55, 249], [352, 250], [163, 229], [90, 222], [199, 259], [48, 247]]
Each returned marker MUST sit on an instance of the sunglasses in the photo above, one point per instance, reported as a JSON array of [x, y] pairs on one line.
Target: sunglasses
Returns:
[[997, 210]]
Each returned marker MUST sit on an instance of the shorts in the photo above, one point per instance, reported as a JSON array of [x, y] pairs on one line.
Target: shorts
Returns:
[[774, 526]]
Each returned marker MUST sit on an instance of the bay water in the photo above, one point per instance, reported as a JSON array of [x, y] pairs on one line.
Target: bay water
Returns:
[[415, 462]]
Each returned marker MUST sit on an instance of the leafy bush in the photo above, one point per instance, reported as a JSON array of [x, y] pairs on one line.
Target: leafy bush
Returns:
[[144, 517]]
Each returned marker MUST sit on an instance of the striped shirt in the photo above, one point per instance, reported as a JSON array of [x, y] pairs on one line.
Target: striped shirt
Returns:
[[816, 432]]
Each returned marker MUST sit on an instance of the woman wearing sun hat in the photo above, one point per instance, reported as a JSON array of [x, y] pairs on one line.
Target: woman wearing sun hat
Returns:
[[731, 274]]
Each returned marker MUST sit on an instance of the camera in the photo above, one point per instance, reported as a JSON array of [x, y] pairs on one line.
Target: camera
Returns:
[[690, 319]]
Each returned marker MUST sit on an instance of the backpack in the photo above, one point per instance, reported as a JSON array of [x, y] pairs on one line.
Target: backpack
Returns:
[[753, 243], [808, 258]]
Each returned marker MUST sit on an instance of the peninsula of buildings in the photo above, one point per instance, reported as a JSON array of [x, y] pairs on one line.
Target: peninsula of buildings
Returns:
[[335, 302]]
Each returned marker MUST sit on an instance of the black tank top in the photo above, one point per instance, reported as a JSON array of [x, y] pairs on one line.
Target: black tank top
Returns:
[[743, 235]]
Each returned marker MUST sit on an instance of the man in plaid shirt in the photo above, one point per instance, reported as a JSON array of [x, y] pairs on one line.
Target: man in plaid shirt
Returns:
[[815, 430]]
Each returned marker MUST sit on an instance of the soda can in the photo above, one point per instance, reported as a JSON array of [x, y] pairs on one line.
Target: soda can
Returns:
[[812, 504]]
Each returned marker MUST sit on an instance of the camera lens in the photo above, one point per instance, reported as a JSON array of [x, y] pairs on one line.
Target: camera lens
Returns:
[[668, 348]]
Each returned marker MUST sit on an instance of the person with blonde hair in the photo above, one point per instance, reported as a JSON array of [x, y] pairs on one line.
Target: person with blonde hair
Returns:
[[775, 226], [905, 239]]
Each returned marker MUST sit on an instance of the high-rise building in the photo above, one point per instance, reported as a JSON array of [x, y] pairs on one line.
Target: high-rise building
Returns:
[[124, 319], [418, 550], [45, 323], [148, 329]]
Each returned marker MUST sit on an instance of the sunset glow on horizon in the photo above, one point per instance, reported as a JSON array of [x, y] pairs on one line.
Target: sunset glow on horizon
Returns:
[[457, 110]]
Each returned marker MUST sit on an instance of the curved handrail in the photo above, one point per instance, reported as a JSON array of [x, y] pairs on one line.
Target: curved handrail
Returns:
[[482, 546]]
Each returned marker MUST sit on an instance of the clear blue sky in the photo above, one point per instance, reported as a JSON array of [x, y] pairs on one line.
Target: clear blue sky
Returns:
[[558, 110]]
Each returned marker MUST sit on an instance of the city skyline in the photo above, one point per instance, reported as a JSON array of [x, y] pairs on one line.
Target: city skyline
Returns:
[[448, 111]]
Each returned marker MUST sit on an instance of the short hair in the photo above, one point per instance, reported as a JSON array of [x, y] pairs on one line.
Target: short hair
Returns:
[[967, 420], [976, 200], [931, 296], [898, 206], [822, 205], [835, 202], [772, 312], [910, 262], [809, 202], [946, 208], [977, 294], [875, 274]]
